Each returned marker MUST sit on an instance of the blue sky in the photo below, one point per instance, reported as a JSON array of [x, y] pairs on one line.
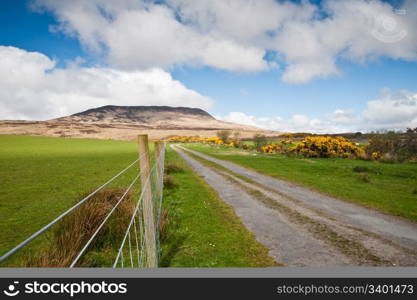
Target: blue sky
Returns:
[[345, 80]]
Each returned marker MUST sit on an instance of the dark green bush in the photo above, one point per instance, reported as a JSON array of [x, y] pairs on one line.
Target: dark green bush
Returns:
[[360, 169], [169, 182], [173, 168]]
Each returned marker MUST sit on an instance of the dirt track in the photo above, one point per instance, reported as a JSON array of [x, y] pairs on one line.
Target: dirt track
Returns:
[[304, 228]]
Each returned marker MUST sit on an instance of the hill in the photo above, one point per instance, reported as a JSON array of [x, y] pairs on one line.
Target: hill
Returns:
[[125, 122]]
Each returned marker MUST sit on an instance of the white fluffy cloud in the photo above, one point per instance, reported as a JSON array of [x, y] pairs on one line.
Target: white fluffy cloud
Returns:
[[297, 123], [235, 35], [141, 34], [31, 87], [391, 111]]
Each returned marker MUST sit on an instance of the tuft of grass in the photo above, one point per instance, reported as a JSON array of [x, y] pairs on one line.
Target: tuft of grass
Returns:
[[163, 225], [169, 182], [173, 168], [364, 178], [72, 233], [414, 191]]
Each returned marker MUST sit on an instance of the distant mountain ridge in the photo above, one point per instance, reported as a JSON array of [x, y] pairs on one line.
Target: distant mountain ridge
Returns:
[[126, 122], [140, 113], [156, 117]]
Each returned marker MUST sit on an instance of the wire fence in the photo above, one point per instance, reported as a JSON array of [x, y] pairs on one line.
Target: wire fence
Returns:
[[134, 243], [133, 248]]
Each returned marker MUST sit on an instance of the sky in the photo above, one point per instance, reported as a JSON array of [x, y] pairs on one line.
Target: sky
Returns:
[[315, 66]]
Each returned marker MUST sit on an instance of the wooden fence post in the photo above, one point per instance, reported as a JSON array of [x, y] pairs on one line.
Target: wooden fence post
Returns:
[[158, 151], [148, 212]]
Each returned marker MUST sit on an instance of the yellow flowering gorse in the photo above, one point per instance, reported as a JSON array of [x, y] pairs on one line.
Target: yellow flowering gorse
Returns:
[[271, 148], [326, 146], [194, 139]]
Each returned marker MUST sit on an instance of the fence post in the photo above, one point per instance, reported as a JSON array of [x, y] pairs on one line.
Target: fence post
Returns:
[[158, 151], [148, 211]]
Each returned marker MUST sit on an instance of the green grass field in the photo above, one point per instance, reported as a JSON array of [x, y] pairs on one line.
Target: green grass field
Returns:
[[391, 188], [41, 177]]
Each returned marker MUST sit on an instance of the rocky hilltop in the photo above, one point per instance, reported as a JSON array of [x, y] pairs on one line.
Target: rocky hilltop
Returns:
[[156, 117], [138, 114]]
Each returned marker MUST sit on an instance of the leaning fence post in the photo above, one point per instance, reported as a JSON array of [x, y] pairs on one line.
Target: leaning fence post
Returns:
[[148, 211]]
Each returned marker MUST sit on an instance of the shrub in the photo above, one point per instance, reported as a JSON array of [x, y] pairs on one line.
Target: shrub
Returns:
[[271, 148], [360, 169], [173, 168], [169, 182], [326, 146], [375, 156], [224, 135], [194, 139], [295, 135], [259, 140], [393, 146], [233, 143], [236, 135], [286, 142]]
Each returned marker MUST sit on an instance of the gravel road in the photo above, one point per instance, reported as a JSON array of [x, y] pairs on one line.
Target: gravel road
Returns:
[[302, 227]]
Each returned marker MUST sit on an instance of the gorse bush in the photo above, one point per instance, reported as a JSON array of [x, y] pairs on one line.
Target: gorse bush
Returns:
[[326, 146], [196, 139], [271, 148], [393, 146]]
